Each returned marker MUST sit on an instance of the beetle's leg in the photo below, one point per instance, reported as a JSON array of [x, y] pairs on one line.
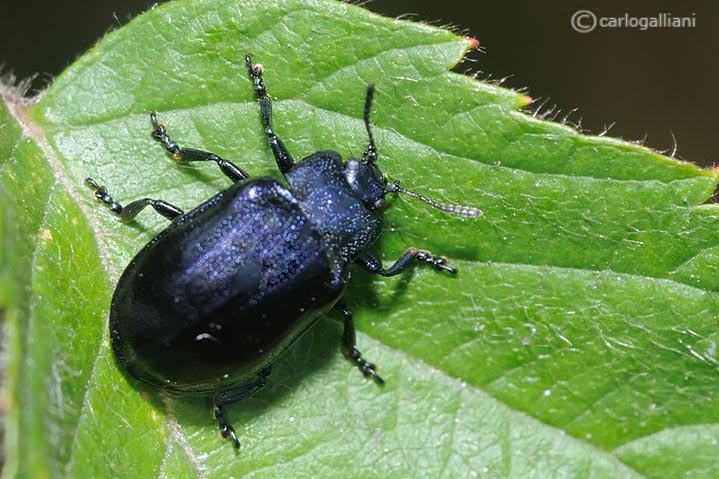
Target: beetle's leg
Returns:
[[128, 212], [348, 344], [232, 171], [235, 395], [282, 156], [408, 258]]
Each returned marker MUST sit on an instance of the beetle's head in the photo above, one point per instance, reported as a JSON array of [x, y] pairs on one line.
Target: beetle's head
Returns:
[[369, 183]]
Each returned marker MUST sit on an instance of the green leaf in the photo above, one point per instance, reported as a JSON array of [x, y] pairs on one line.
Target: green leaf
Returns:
[[579, 338]]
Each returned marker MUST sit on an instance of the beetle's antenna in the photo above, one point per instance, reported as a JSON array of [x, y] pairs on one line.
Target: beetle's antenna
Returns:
[[453, 209], [370, 153]]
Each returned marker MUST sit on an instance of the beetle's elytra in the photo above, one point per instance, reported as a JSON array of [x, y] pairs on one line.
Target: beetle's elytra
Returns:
[[213, 300]]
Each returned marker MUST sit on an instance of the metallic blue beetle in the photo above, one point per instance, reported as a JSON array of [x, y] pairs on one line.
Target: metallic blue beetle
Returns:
[[213, 300]]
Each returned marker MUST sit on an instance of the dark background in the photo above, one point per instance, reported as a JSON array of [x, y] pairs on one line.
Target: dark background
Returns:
[[656, 84]]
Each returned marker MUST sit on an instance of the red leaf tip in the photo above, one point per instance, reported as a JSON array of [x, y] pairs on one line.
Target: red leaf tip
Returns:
[[473, 42]]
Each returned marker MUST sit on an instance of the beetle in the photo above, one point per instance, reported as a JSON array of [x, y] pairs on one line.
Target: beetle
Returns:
[[211, 302]]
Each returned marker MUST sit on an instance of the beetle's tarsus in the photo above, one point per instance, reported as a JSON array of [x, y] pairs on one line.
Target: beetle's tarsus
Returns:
[[226, 429], [437, 262], [367, 368], [159, 133], [102, 195]]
